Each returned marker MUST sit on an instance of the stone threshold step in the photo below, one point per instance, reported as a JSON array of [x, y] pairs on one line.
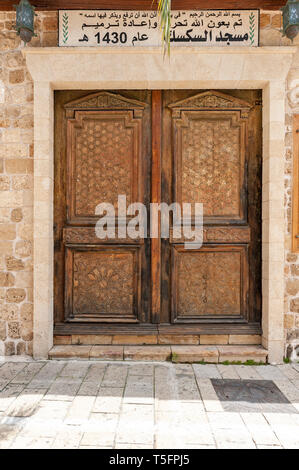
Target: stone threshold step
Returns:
[[174, 353]]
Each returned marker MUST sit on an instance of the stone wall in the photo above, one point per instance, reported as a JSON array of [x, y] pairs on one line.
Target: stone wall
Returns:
[[16, 166], [270, 36]]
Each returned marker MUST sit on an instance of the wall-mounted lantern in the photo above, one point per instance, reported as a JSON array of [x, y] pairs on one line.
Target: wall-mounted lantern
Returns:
[[290, 14], [25, 20]]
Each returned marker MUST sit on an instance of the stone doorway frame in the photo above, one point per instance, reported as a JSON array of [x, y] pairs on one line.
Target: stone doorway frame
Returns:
[[263, 68]]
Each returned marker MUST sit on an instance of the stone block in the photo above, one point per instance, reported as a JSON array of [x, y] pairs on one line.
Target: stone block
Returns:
[[213, 339], [61, 352], [194, 353], [90, 339], [178, 339], [134, 339], [7, 231], [15, 295], [60, 340], [107, 353], [147, 353], [245, 339], [242, 353]]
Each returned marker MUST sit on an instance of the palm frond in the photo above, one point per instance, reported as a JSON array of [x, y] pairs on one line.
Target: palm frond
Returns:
[[164, 9]]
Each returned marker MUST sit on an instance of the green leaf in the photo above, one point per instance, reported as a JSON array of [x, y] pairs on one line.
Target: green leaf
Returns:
[[164, 9]]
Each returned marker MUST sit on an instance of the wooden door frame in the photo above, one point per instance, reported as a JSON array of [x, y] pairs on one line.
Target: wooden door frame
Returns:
[[194, 68], [65, 322]]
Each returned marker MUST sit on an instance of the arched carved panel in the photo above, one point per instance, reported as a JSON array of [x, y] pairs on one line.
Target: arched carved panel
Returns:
[[104, 150], [209, 142]]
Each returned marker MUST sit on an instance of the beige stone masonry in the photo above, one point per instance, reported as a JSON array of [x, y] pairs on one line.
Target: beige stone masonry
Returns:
[[174, 353], [174, 339], [139, 68]]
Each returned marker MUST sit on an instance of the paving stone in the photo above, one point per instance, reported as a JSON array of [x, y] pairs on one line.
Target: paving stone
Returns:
[[9, 370], [286, 429], [28, 373], [187, 387], [206, 371], [3, 384], [247, 372], [166, 441], [259, 429], [141, 369], [9, 394], [147, 353], [268, 447], [194, 353], [67, 351], [75, 370], [95, 373], [88, 389], [132, 446], [183, 369], [22, 442], [208, 395], [136, 424], [51, 410], [8, 433], [98, 405], [140, 381], [108, 400], [103, 421], [95, 447], [115, 376], [107, 353], [230, 431], [80, 409], [233, 441], [68, 439], [62, 389], [290, 372], [228, 372], [46, 375], [187, 426], [37, 428], [139, 389], [166, 394], [270, 373], [26, 403], [289, 391], [98, 439]]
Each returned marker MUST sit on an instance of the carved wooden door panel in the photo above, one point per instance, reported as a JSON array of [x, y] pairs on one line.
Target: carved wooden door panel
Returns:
[[163, 146], [102, 151], [212, 155]]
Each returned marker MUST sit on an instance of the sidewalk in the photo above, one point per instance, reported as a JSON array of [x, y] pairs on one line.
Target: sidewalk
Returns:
[[85, 404]]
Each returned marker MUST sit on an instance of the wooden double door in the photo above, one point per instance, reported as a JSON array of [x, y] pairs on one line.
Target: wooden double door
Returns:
[[183, 146]]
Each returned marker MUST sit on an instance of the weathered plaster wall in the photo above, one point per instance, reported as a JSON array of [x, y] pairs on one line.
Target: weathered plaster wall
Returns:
[[16, 153]]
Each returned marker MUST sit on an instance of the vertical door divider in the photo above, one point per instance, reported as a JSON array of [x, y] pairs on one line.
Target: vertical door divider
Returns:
[[156, 198]]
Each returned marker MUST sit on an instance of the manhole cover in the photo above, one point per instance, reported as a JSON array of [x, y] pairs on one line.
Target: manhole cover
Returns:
[[255, 396]]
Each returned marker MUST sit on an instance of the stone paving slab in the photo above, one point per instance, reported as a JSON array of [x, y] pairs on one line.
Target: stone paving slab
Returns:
[[139, 405]]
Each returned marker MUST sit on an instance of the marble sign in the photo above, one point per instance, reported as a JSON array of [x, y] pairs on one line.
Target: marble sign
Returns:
[[100, 28]]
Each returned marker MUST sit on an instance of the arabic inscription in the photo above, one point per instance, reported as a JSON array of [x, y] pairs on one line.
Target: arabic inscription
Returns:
[[100, 28]]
